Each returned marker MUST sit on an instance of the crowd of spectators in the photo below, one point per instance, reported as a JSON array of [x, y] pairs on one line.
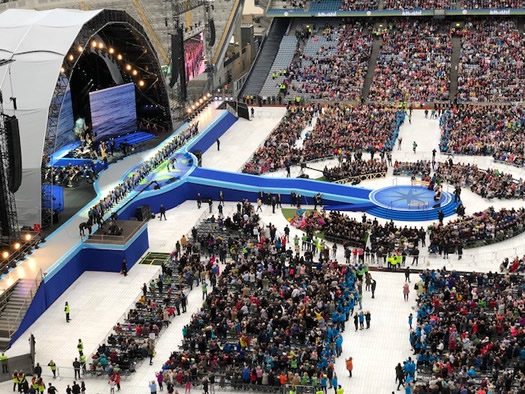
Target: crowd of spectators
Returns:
[[469, 334], [354, 169], [273, 318], [476, 4], [413, 64], [481, 228], [516, 264], [494, 131], [357, 5], [279, 148], [491, 67], [339, 129], [96, 213], [390, 240], [416, 5], [337, 70], [343, 229], [490, 183]]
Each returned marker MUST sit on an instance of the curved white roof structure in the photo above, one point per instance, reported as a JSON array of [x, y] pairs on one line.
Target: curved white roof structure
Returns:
[[38, 41]]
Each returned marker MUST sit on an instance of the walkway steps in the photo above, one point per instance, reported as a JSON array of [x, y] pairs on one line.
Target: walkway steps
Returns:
[[376, 48], [454, 67], [264, 62]]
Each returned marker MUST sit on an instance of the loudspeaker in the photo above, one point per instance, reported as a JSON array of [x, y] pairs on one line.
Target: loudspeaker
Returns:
[[178, 66], [175, 58], [143, 213], [4, 219], [212, 32], [15, 153]]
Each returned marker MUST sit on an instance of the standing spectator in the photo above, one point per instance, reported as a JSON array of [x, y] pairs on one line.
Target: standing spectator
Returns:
[[410, 320], [373, 287], [153, 387], [407, 274], [349, 366], [160, 380], [218, 144], [406, 291], [76, 367]]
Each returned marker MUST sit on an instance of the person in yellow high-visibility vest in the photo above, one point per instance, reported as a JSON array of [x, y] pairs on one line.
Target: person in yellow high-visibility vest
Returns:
[[3, 361], [53, 367], [67, 310], [15, 380], [80, 347], [340, 390]]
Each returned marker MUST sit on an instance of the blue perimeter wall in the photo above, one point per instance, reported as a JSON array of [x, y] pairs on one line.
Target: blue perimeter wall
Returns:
[[108, 258], [87, 257]]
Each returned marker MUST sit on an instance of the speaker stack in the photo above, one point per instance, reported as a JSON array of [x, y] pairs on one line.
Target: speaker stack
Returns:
[[15, 153], [143, 213], [178, 67]]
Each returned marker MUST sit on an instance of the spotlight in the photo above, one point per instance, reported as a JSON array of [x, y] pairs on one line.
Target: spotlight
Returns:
[[94, 44], [119, 57], [101, 45], [142, 83], [62, 70], [5, 254], [193, 107], [208, 95], [201, 101], [111, 51], [71, 58], [17, 245], [28, 237], [188, 110], [135, 72], [128, 67], [80, 49]]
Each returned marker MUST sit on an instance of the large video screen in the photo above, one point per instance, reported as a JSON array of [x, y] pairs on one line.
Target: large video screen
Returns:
[[66, 123], [194, 56], [113, 111]]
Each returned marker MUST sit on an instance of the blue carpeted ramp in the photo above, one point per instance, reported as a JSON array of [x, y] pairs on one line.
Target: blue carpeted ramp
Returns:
[[331, 192]]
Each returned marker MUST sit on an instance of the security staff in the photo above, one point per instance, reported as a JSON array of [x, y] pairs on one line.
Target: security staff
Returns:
[[53, 367], [80, 347], [67, 310], [3, 361]]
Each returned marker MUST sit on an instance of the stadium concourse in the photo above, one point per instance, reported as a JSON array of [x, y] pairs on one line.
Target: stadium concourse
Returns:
[[99, 300]]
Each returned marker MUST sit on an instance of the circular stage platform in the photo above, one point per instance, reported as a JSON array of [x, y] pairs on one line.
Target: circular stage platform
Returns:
[[182, 163], [410, 203], [408, 198]]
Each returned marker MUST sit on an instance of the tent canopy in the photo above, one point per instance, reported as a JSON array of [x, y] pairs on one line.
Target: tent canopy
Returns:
[[38, 41]]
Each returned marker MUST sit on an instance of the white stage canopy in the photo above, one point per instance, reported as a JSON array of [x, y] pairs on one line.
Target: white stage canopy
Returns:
[[38, 41]]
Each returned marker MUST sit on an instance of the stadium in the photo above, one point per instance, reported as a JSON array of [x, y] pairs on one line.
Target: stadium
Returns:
[[278, 196]]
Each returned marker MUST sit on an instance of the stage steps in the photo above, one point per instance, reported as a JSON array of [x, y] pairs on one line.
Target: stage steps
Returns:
[[13, 308], [413, 216]]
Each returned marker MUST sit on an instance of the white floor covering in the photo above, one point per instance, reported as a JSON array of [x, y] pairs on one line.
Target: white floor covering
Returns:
[[99, 299]]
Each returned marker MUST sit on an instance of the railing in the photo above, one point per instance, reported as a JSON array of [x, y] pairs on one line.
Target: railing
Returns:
[[13, 323], [121, 239], [359, 178], [4, 296]]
